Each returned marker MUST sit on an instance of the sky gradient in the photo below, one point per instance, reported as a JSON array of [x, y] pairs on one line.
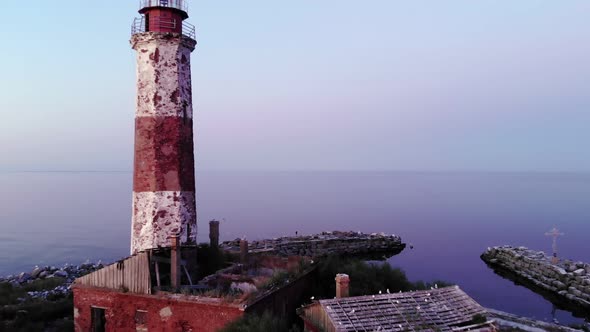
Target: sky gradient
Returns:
[[310, 85]]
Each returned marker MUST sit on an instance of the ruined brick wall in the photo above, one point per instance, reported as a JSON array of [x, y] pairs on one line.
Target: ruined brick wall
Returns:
[[283, 302], [163, 180], [162, 314]]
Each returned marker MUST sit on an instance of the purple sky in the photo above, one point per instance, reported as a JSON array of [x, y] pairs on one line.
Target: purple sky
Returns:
[[309, 85]]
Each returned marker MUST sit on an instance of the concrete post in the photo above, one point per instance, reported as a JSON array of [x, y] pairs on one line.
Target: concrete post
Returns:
[[175, 261], [243, 251], [342, 285], [214, 233]]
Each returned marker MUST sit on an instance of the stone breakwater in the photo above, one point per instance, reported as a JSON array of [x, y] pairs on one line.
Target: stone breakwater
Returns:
[[325, 243], [68, 273], [568, 280]]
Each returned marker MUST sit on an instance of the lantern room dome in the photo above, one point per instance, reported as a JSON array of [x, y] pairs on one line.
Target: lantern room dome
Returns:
[[181, 6]]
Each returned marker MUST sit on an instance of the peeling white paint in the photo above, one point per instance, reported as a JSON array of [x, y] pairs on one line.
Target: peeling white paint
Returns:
[[159, 215], [165, 313], [164, 85]]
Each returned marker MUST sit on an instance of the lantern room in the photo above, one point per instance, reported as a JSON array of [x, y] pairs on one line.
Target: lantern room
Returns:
[[163, 16]]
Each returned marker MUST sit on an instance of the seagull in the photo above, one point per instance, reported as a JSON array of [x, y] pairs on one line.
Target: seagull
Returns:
[[373, 296], [388, 291], [313, 297], [436, 286], [351, 312], [418, 308], [380, 293]]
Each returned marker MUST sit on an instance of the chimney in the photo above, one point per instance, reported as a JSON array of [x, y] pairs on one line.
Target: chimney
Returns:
[[175, 262], [214, 233], [243, 251], [342, 285]]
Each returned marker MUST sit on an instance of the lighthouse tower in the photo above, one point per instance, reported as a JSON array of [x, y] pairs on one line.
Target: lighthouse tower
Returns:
[[164, 205]]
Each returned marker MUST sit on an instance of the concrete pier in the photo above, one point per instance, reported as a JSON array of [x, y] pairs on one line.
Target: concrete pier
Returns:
[[567, 280], [326, 243]]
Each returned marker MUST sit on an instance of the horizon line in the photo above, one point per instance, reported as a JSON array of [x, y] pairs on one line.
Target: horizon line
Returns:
[[314, 171]]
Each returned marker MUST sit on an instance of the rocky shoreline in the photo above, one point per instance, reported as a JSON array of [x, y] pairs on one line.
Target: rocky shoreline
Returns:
[[323, 244], [67, 274], [567, 280]]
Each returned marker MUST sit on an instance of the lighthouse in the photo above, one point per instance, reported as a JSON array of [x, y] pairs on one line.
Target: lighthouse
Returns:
[[164, 202]]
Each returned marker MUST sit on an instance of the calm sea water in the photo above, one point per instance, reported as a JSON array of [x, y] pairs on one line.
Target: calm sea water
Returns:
[[450, 218]]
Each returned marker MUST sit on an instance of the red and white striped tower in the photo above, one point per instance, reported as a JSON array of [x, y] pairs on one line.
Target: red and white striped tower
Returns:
[[164, 203]]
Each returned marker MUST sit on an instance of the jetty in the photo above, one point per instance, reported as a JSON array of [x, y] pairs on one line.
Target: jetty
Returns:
[[376, 245], [564, 282]]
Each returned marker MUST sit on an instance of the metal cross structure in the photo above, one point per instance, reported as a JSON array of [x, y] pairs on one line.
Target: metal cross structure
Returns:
[[555, 233]]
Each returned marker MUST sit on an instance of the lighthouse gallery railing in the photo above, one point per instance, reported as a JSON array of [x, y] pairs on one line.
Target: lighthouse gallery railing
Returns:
[[139, 26]]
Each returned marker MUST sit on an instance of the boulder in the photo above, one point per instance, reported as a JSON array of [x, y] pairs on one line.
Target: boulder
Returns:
[[36, 272]]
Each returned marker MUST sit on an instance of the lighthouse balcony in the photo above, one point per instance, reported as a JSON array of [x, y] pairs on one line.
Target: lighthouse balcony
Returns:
[[176, 4], [161, 24]]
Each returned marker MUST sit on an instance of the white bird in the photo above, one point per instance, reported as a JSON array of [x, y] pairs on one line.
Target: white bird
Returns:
[[436, 286], [313, 297], [351, 312], [418, 308], [380, 293], [388, 291], [373, 296]]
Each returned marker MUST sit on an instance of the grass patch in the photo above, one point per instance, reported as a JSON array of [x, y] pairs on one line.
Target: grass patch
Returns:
[[256, 323], [10, 294], [20, 312], [366, 278]]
